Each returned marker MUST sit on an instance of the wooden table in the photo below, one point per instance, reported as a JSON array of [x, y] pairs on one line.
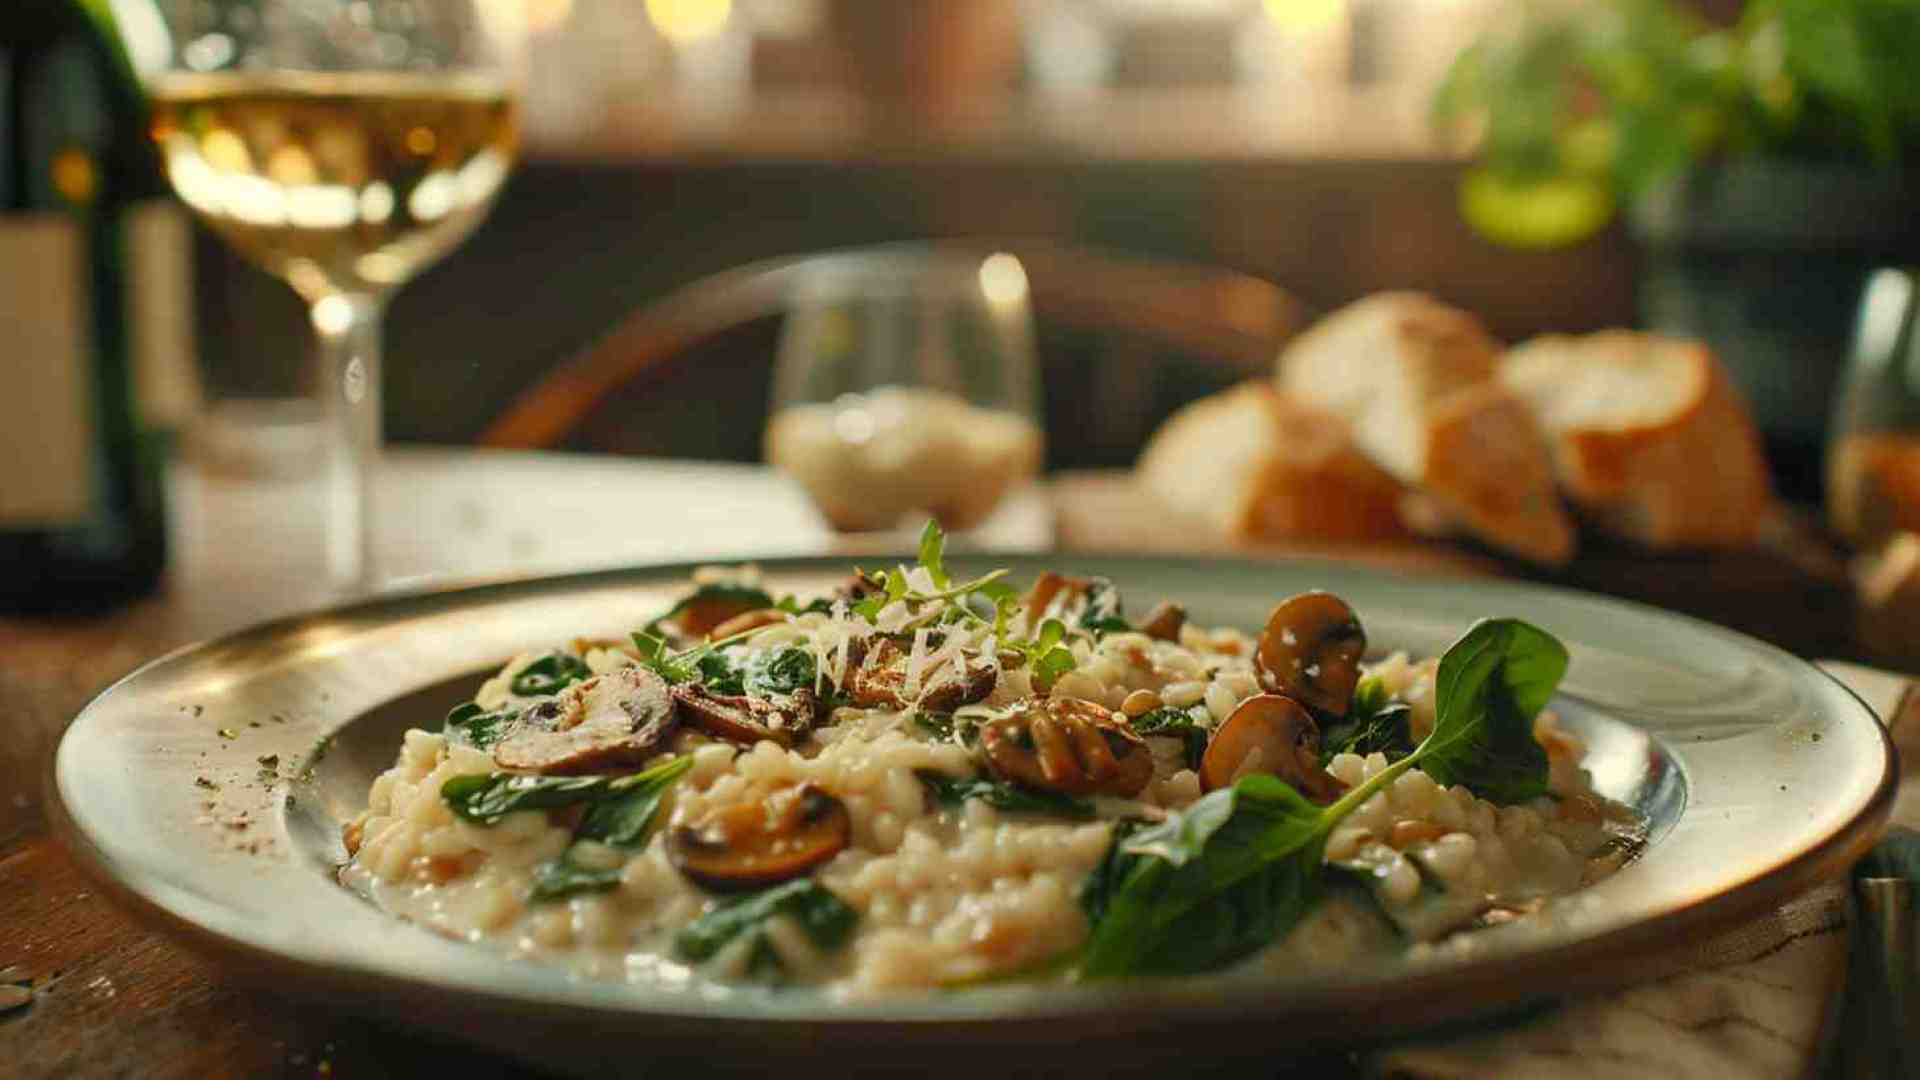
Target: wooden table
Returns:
[[113, 998]]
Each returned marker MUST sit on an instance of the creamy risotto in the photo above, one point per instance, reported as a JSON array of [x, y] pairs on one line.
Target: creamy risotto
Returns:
[[919, 782]]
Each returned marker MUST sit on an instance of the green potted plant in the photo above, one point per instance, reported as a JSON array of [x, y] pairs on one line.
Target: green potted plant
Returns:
[[1764, 167]]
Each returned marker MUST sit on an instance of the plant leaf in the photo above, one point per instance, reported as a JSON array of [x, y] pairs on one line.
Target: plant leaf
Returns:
[[1184, 724], [622, 818], [1258, 828], [1491, 684], [825, 918], [933, 546], [485, 798], [550, 674], [1003, 796], [478, 728]]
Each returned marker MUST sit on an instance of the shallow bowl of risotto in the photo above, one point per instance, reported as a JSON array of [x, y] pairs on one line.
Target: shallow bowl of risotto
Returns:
[[737, 811]]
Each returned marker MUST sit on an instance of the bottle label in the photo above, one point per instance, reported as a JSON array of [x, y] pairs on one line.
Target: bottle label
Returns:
[[159, 241], [46, 397]]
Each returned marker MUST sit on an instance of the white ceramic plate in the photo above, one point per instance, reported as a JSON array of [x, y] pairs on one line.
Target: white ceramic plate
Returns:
[[1758, 773]]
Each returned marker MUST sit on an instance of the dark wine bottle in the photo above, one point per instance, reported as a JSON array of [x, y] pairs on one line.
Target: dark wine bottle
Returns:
[[93, 280]]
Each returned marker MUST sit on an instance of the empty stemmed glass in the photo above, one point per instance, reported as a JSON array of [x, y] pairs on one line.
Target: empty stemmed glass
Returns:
[[342, 145], [906, 385]]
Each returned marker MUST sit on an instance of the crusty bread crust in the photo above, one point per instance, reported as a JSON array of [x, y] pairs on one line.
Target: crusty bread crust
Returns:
[[1692, 477], [1488, 467], [1415, 380], [1253, 465]]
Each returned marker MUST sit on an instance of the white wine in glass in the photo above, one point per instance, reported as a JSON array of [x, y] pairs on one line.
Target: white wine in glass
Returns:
[[343, 146], [336, 181]]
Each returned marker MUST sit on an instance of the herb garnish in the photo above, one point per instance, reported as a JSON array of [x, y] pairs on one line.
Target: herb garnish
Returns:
[[1241, 866]]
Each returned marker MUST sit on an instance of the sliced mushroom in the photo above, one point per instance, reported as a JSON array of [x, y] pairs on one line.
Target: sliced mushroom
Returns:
[[748, 620], [750, 845], [742, 718], [1045, 589], [1067, 745], [607, 722], [1310, 651], [1269, 734], [879, 680], [706, 612], [1165, 621]]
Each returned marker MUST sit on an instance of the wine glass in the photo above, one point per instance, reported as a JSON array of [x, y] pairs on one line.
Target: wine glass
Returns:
[[343, 146], [906, 385]]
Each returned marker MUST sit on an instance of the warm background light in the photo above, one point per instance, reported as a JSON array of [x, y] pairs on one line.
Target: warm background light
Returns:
[[1304, 15], [684, 21]]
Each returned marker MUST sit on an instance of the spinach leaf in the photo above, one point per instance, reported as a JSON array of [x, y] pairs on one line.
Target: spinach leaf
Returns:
[[621, 819], [1003, 796], [550, 674], [720, 673], [485, 798], [560, 878], [1184, 724], [477, 727], [1369, 697], [1239, 921], [948, 728], [1102, 613], [1387, 730], [780, 671], [1098, 891], [1491, 684], [1245, 857], [825, 918]]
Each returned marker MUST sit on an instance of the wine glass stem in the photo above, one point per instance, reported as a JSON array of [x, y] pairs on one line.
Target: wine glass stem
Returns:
[[348, 326]]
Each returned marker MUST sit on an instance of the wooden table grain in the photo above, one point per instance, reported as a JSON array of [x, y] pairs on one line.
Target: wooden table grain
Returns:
[[112, 997]]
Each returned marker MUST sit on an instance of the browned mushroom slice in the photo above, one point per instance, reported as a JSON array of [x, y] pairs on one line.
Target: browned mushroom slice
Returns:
[[1067, 745], [1165, 621], [607, 722], [1310, 651], [1047, 588], [709, 609], [748, 620], [1270, 734], [745, 719], [750, 845], [880, 679]]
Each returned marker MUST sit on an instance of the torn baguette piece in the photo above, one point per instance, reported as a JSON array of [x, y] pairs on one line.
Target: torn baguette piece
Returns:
[[1650, 438], [1252, 464], [1416, 382]]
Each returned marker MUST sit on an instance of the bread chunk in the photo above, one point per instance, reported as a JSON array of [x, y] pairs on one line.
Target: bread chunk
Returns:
[[1650, 437], [1416, 381], [1253, 464]]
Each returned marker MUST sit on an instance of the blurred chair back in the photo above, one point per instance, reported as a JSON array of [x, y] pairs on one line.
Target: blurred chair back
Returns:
[[1122, 341]]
